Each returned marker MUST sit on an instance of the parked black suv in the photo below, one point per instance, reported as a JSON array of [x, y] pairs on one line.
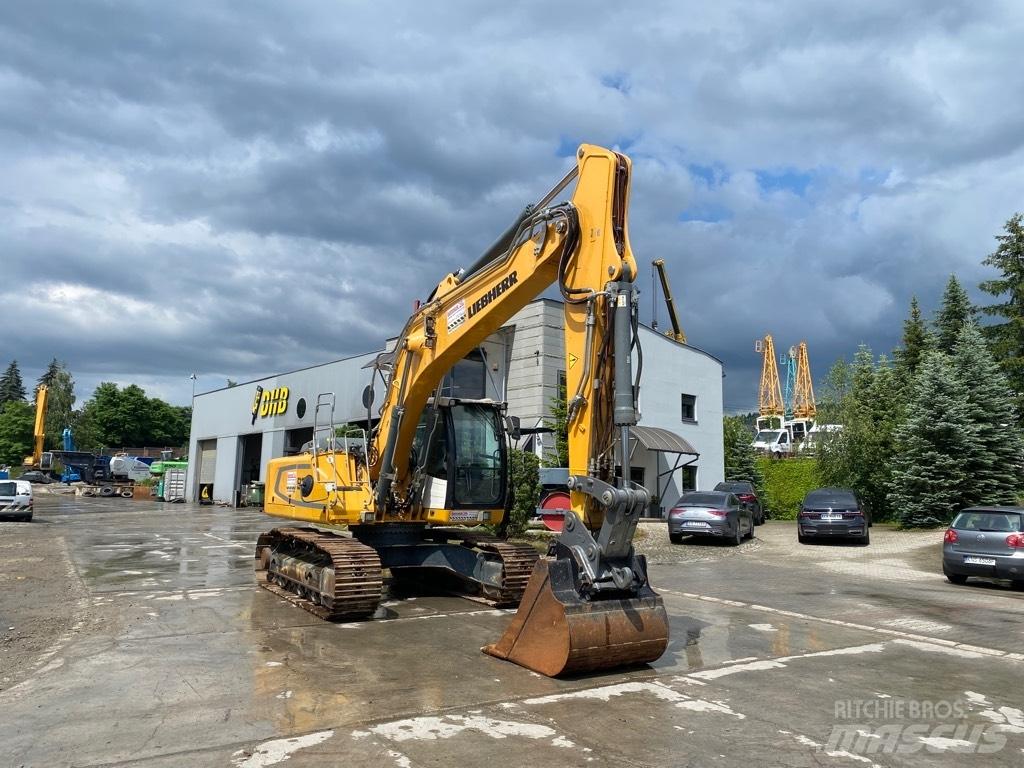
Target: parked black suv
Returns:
[[744, 491]]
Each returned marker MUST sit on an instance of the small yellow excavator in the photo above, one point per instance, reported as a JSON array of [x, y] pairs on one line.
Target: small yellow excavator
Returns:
[[414, 492], [35, 461]]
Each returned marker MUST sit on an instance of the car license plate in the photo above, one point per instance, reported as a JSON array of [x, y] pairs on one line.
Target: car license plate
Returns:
[[831, 516], [695, 524], [979, 560]]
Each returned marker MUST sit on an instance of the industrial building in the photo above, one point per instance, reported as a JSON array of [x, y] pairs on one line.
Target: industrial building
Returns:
[[677, 445]]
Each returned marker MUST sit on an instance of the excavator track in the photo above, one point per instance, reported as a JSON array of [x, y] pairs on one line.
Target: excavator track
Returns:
[[331, 576], [517, 560]]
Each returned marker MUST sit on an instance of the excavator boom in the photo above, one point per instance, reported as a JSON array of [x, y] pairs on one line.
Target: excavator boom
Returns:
[[39, 430], [677, 330]]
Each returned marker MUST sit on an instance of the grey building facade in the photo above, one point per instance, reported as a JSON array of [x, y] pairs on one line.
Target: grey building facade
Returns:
[[522, 363]]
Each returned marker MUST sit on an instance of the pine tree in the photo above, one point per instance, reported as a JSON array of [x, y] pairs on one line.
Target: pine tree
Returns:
[[884, 408], [995, 470], [867, 400], [11, 385], [50, 374], [833, 392], [740, 462], [956, 310], [929, 480], [1007, 337], [916, 339], [61, 400]]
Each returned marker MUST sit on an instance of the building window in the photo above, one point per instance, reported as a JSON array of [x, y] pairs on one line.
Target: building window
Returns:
[[689, 479], [636, 474], [689, 403], [468, 378]]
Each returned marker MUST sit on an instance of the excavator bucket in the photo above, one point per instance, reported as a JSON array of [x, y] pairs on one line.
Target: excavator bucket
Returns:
[[557, 632]]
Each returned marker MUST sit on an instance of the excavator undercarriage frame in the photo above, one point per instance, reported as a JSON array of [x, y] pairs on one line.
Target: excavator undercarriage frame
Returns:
[[339, 577]]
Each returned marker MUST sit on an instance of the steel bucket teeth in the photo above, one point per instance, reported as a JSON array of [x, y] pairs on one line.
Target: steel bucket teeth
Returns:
[[555, 632]]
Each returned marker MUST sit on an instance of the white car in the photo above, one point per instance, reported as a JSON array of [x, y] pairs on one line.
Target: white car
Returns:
[[15, 500]]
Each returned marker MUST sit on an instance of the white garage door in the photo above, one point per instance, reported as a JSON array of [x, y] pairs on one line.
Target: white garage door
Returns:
[[207, 460]]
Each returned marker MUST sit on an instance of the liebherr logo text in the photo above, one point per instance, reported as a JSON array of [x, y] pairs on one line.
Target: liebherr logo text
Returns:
[[494, 293]]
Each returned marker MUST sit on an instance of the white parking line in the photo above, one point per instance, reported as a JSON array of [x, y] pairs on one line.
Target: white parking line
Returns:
[[965, 647]]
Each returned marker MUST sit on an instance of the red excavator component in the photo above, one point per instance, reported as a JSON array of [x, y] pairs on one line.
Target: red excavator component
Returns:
[[553, 510]]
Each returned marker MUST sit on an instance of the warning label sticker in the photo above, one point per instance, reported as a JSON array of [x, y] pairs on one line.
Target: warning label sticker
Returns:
[[290, 481], [572, 359], [456, 316]]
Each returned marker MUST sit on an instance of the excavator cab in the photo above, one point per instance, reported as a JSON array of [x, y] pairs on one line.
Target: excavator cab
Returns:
[[460, 453]]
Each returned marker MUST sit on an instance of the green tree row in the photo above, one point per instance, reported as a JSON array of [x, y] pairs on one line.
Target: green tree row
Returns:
[[112, 418], [939, 428]]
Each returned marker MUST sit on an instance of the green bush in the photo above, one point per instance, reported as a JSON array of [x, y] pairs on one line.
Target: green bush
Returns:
[[786, 482], [524, 475]]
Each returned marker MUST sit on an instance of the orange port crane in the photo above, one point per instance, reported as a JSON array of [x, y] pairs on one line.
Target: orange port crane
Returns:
[[770, 403], [803, 392]]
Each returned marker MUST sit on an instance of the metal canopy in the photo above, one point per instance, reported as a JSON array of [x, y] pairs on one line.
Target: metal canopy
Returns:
[[662, 440]]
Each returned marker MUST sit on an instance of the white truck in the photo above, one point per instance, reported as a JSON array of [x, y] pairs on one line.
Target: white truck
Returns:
[[818, 434], [777, 442]]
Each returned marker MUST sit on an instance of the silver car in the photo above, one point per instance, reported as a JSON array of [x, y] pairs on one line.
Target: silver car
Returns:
[[985, 541], [710, 513]]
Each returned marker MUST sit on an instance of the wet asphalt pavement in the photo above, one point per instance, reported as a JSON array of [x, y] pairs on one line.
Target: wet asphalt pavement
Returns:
[[158, 650]]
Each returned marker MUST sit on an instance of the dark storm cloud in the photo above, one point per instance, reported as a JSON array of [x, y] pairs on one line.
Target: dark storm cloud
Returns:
[[238, 189]]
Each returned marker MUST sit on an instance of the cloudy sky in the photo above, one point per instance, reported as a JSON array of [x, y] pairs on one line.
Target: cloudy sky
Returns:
[[243, 188]]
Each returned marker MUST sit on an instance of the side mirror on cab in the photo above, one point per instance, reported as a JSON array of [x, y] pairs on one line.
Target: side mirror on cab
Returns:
[[513, 427]]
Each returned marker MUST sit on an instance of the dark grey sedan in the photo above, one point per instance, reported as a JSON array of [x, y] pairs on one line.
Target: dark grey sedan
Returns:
[[710, 513], [985, 541], [833, 513]]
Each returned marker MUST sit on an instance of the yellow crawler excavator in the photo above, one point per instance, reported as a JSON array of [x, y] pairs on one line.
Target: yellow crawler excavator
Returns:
[[413, 492]]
